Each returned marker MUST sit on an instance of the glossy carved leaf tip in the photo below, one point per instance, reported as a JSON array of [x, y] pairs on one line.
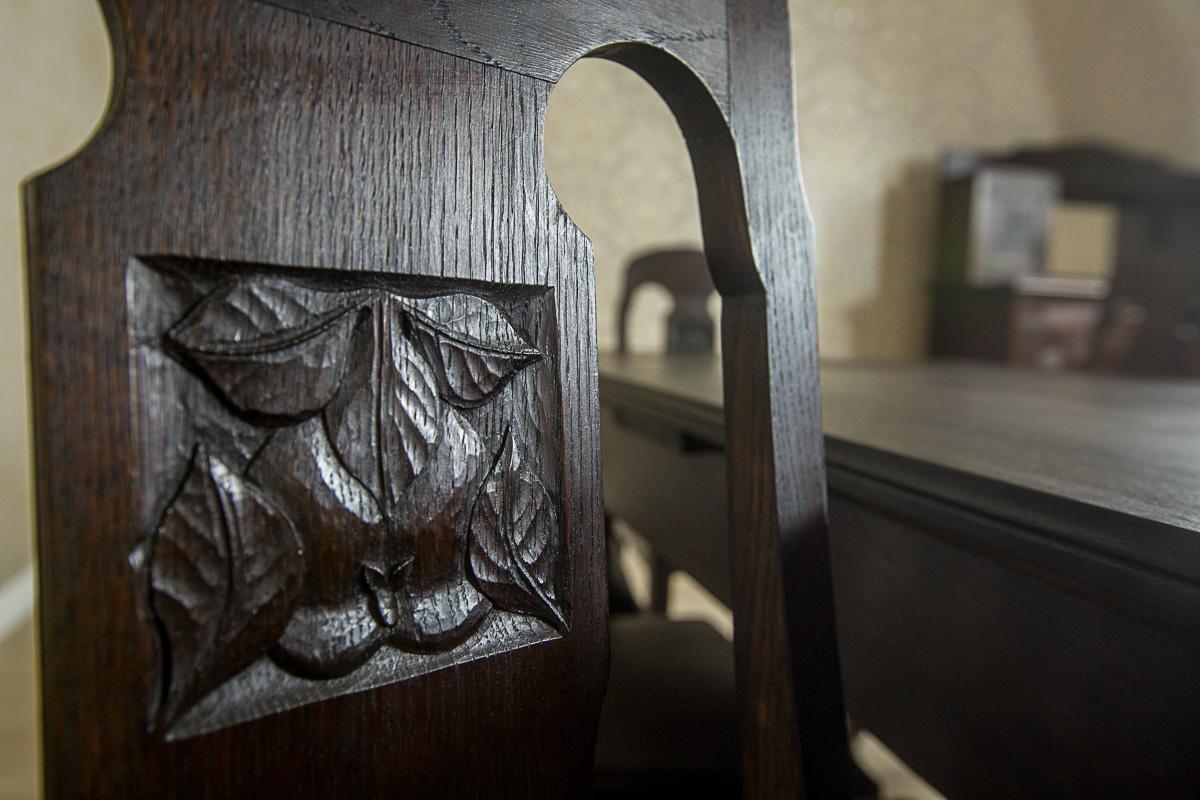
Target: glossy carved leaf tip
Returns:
[[514, 540], [472, 347], [225, 573]]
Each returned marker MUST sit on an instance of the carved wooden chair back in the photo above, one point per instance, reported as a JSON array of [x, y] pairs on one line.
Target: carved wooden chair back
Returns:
[[314, 371], [685, 275]]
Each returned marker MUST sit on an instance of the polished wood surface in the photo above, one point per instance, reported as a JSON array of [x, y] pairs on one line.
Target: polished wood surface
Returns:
[[542, 40], [194, 274], [1014, 559], [309, 288], [1117, 445]]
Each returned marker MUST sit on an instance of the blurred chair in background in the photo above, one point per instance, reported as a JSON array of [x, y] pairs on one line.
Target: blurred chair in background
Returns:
[[684, 274], [690, 329]]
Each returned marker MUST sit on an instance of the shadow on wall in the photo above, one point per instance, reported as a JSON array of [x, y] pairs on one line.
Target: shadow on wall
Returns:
[[884, 324]]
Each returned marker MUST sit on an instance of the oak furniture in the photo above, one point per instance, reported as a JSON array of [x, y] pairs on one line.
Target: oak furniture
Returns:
[[315, 399], [684, 274], [1016, 559], [1146, 322], [1037, 321]]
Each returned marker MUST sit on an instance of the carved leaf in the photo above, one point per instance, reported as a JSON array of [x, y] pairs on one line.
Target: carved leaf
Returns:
[[515, 540], [472, 347], [272, 347], [341, 525], [385, 421], [329, 641], [436, 605], [225, 574]]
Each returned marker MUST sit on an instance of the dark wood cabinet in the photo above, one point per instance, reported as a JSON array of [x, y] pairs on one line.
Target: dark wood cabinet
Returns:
[[1043, 322], [995, 300]]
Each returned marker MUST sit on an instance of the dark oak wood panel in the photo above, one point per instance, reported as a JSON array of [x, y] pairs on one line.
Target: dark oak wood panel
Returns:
[[994, 682], [244, 134], [367, 141], [349, 480], [542, 39], [785, 645], [1014, 559]]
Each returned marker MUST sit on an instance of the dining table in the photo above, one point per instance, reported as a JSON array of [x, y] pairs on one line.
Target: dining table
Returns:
[[1015, 555]]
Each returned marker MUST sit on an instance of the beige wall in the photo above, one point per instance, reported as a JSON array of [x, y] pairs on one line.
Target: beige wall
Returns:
[[882, 88], [54, 79], [619, 165], [1131, 72]]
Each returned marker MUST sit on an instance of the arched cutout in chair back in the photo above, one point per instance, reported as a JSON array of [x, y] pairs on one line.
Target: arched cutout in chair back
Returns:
[[757, 238]]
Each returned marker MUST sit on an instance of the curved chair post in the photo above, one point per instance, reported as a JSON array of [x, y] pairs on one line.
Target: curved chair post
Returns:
[[771, 365], [757, 236]]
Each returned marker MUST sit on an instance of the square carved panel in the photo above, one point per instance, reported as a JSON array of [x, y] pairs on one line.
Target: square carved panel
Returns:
[[348, 479]]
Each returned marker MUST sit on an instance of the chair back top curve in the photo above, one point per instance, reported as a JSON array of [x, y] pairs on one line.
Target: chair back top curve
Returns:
[[315, 399], [685, 275]]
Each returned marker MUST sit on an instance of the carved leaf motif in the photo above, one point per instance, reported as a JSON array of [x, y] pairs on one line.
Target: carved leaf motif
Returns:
[[385, 421], [421, 593], [515, 540], [225, 574], [272, 347], [329, 641], [472, 347], [339, 521], [386, 600]]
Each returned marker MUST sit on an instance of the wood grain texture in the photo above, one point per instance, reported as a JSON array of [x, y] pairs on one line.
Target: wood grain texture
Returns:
[[543, 40], [1013, 559], [782, 586], [756, 231], [758, 245], [243, 133], [340, 480], [250, 134]]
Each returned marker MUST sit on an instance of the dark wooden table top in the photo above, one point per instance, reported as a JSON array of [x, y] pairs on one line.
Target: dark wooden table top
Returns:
[[1016, 559], [1108, 464]]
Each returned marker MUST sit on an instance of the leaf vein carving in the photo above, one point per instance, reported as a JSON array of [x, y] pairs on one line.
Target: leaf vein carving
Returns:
[[374, 513]]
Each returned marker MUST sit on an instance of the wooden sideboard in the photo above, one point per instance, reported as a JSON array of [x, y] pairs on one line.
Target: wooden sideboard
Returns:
[[1016, 559], [1034, 321], [993, 300]]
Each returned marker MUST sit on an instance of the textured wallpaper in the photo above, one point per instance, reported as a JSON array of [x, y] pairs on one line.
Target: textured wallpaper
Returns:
[[883, 87]]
